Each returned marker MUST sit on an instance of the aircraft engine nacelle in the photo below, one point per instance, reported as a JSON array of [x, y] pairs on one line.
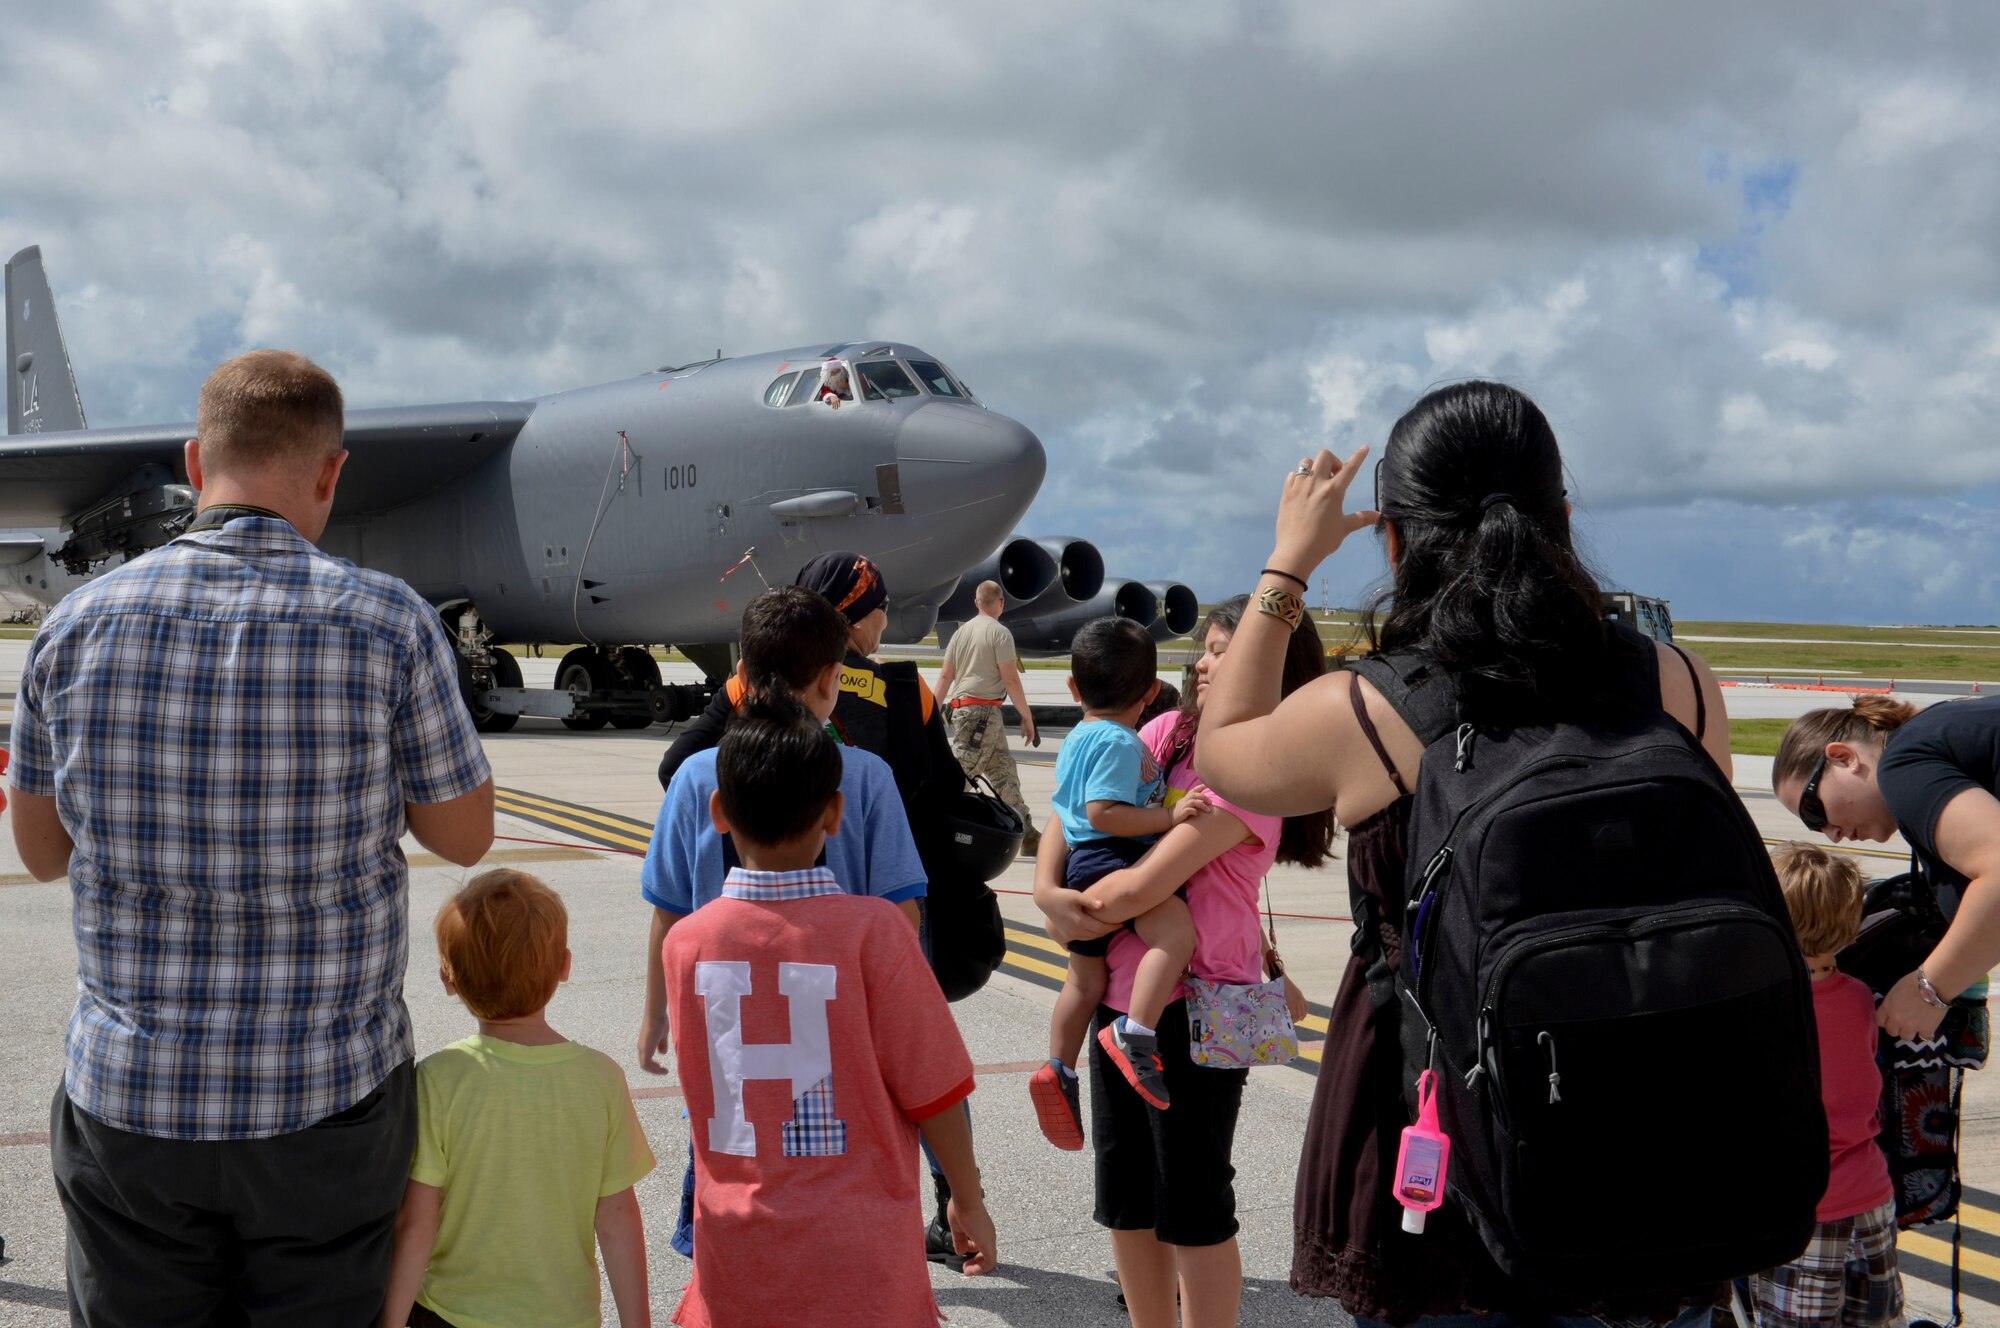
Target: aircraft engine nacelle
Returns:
[[1180, 610], [1079, 566], [1023, 568], [146, 510], [1046, 631]]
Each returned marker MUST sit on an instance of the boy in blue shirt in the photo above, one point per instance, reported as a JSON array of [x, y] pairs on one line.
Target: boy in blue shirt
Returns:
[[1108, 794], [792, 640]]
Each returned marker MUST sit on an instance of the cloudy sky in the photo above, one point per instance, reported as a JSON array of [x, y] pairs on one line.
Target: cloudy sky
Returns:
[[1746, 257]]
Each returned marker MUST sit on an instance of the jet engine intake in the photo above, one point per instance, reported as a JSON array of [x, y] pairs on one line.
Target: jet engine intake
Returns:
[[1045, 628], [1023, 568], [1180, 610], [147, 511]]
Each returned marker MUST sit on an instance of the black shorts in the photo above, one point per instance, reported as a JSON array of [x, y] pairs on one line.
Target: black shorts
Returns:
[[1167, 1172], [1092, 861]]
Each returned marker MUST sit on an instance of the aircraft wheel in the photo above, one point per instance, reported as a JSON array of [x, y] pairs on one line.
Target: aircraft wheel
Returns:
[[638, 665], [506, 673], [636, 668], [582, 671]]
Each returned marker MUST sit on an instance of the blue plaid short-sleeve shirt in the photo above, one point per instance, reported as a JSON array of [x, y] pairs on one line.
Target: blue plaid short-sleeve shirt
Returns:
[[230, 726]]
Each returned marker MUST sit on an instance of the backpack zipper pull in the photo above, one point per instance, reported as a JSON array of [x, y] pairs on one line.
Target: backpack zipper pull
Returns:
[[1547, 1039], [1465, 732], [1479, 1060]]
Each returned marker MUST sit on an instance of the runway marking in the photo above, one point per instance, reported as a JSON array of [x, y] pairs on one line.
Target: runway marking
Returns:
[[1924, 1254], [587, 823]]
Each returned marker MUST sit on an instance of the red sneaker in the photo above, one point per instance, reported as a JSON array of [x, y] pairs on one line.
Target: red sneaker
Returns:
[[1056, 1105]]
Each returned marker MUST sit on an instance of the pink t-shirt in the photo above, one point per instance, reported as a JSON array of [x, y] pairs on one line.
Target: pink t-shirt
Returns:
[[1850, 1085], [821, 1025], [1222, 897]]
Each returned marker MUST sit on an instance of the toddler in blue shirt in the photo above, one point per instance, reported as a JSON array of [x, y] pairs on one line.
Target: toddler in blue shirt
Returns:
[[1108, 794]]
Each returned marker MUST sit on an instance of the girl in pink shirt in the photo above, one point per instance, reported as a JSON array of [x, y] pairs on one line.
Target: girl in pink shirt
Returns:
[[1165, 1182], [1847, 1274]]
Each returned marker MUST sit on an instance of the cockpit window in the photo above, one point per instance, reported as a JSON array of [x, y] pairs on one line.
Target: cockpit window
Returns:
[[935, 378], [885, 378], [774, 395]]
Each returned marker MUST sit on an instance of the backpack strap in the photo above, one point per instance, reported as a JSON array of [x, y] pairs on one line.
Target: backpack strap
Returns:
[[1426, 701], [1374, 738], [1700, 701]]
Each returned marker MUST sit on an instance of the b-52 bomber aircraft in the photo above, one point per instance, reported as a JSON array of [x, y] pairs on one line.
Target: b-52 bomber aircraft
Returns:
[[634, 513]]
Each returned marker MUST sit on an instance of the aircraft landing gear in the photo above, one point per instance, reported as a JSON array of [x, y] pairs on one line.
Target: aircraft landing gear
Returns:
[[585, 670], [481, 666], [637, 668]]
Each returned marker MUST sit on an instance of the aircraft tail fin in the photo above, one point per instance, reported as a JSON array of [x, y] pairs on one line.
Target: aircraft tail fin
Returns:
[[41, 388]]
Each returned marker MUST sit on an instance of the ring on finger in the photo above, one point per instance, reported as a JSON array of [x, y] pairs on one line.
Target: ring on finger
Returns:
[[1305, 468]]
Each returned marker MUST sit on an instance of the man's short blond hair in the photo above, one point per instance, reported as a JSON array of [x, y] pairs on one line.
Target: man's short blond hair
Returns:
[[265, 408], [1823, 894], [988, 594]]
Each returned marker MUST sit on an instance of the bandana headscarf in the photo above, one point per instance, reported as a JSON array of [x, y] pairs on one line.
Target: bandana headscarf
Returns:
[[849, 581]]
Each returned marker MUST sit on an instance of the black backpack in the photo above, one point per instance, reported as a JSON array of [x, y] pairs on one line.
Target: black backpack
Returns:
[[1599, 966]]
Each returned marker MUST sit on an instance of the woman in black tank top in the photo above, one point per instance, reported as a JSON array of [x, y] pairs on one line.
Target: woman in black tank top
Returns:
[[1487, 592]]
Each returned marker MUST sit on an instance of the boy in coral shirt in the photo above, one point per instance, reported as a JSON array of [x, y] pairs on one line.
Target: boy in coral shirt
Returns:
[[813, 1045]]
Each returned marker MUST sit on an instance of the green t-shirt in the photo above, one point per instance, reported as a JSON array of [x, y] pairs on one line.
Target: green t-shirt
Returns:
[[523, 1141]]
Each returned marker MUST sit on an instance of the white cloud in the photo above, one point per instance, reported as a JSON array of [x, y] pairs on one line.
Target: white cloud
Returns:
[[1736, 255]]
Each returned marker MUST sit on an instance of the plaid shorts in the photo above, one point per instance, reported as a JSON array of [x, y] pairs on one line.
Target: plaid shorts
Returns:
[[1847, 1278]]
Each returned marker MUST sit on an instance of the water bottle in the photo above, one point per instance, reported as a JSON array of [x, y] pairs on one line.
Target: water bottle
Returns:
[[1421, 1161]]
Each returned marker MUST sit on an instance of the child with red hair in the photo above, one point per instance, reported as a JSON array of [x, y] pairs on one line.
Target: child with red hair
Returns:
[[532, 1137]]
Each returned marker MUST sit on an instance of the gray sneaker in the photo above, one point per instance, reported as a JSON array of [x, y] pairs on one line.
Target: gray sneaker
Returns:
[[1137, 1056]]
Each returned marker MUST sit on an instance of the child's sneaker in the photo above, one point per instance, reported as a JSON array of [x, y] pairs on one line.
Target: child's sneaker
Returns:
[[1053, 1087], [1137, 1056]]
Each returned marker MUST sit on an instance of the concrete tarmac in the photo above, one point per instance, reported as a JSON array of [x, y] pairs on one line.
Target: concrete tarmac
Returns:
[[576, 808]]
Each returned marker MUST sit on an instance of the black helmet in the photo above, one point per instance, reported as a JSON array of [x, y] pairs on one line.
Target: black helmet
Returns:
[[986, 834]]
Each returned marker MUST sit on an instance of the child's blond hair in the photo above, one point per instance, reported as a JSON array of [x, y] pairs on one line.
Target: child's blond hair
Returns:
[[501, 942], [1823, 894]]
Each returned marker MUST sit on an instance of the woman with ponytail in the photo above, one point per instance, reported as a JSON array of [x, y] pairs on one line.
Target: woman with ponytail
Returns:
[[1486, 592], [1880, 767]]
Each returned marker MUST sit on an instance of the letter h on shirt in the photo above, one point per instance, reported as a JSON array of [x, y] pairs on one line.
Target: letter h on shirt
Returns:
[[806, 1061]]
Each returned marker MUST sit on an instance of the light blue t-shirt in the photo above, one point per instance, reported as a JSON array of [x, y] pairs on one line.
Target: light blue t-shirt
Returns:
[[873, 854], [1103, 761]]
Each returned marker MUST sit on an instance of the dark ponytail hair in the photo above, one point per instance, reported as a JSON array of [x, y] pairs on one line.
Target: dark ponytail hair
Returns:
[[776, 768], [1485, 582], [1306, 840]]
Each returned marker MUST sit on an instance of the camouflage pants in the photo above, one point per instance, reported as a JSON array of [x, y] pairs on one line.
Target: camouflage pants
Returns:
[[980, 741]]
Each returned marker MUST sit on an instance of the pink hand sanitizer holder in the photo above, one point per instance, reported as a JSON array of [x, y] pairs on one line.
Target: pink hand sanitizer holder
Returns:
[[1421, 1161]]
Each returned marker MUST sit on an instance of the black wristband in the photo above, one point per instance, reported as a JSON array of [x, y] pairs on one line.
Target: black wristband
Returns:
[[1272, 571]]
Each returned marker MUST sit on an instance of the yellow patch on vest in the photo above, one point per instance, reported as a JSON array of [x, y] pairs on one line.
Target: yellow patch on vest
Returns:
[[864, 684]]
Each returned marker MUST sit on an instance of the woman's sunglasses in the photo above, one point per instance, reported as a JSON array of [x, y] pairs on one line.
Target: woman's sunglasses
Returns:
[[1811, 810]]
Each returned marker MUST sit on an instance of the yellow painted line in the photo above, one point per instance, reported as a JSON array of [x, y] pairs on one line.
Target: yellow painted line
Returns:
[[537, 854], [1036, 966], [1313, 1023], [1979, 1219], [1939, 1252], [563, 817], [628, 824], [581, 827], [1036, 939]]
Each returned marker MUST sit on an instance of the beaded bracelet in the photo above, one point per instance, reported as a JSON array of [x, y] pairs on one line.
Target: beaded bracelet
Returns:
[[1284, 605]]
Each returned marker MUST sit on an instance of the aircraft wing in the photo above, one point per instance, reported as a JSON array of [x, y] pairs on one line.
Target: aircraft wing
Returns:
[[396, 456]]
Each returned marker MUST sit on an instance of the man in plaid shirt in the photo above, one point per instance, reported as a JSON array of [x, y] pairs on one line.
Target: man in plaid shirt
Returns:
[[220, 743]]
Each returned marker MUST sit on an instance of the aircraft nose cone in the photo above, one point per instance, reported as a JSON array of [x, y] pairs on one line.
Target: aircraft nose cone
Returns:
[[972, 467]]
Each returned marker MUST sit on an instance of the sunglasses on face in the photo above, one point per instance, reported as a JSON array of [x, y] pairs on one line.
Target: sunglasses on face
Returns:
[[1811, 810]]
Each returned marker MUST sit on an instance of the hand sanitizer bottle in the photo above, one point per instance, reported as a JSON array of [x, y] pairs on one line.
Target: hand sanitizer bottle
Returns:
[[1421, 1161]]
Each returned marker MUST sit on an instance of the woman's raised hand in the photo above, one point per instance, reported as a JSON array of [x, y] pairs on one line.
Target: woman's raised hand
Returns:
[[1313, 519]]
